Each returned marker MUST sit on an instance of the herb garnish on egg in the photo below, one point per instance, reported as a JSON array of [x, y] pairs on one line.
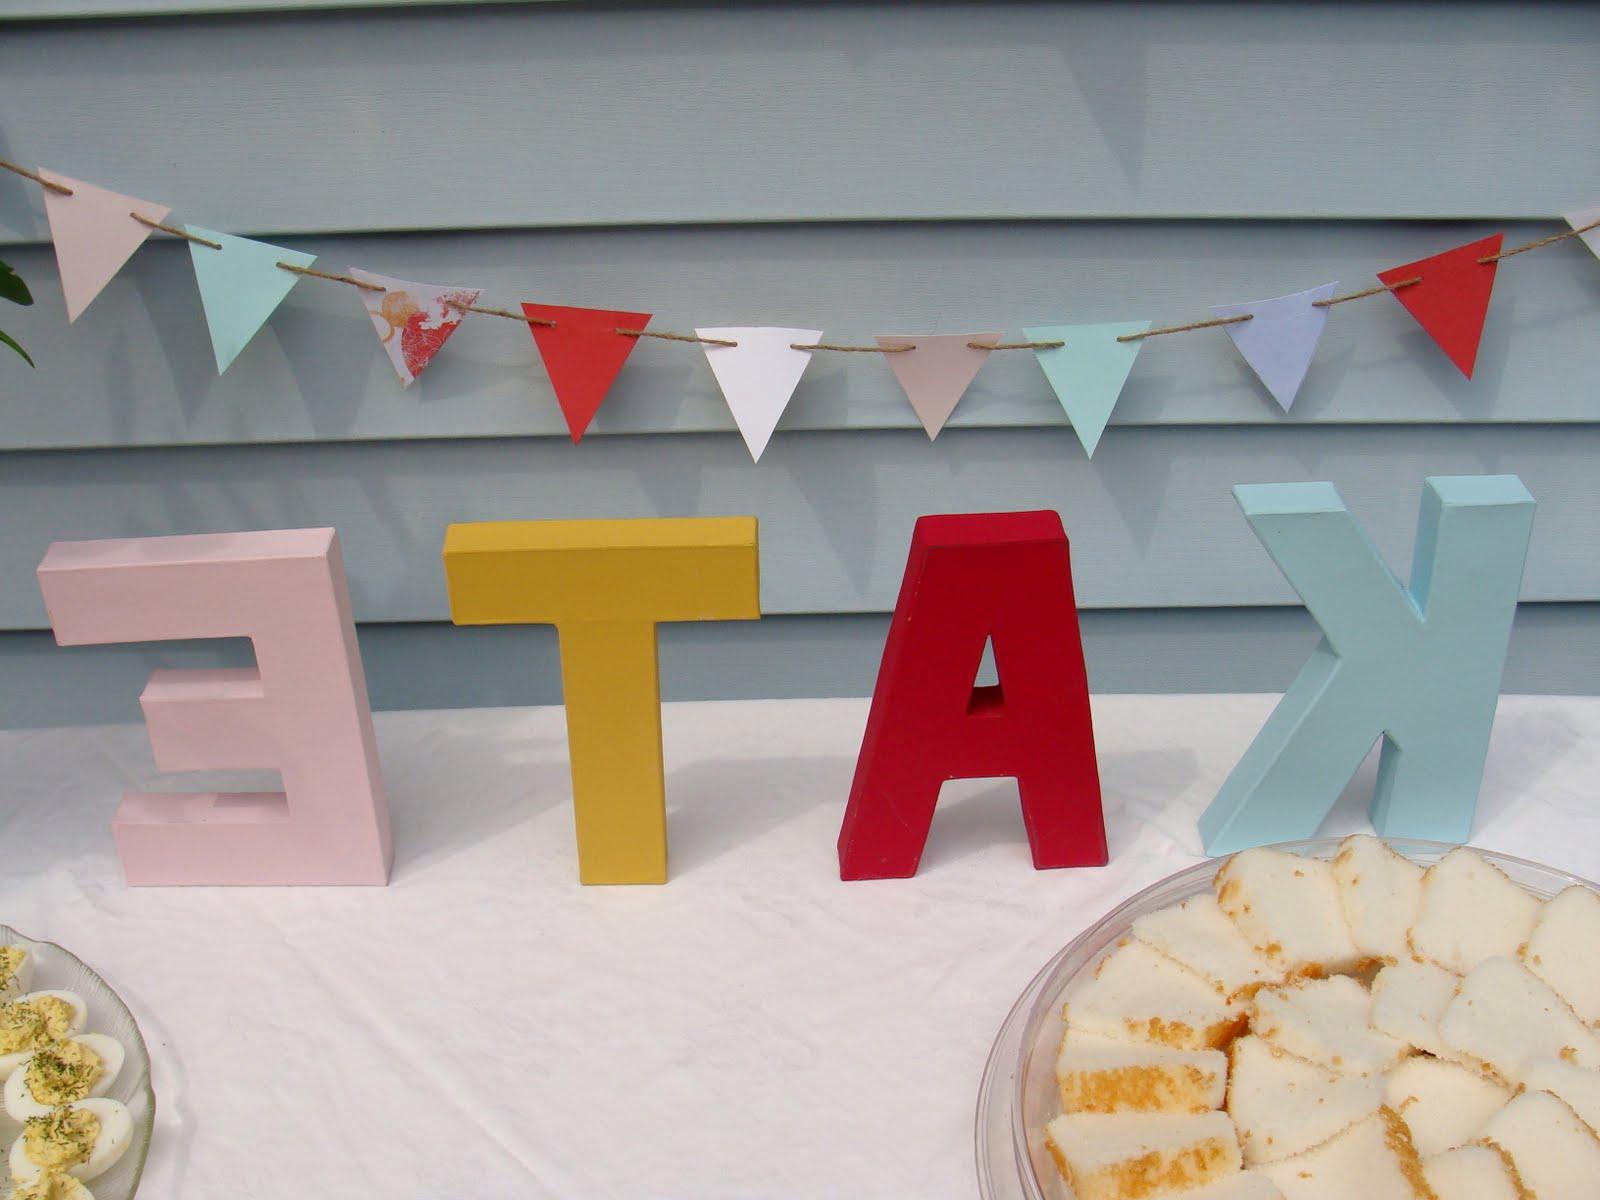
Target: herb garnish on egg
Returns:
[[63, 1072], [63, 1139]]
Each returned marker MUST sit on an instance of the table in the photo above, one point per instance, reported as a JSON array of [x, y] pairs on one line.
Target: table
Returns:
[[485, 1027]]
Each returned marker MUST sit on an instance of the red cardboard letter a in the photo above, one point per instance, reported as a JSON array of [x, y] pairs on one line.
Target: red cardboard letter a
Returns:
[[1000, 577]]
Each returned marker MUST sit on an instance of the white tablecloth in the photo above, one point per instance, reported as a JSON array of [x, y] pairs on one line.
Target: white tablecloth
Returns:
[[485, 1027]]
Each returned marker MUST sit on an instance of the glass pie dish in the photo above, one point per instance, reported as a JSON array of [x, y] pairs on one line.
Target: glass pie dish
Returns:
[[1018, 1096], [59, 969]]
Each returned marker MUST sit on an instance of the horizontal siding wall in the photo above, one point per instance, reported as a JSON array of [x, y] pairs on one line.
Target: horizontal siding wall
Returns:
[[863, 168]]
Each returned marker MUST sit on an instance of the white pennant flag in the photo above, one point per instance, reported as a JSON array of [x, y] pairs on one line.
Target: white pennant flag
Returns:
[[1582, 219], [758, 376]]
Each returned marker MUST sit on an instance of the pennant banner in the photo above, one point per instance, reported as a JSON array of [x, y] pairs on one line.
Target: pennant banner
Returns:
[[758, 376], [1087, 372], [94, 234], [1582, 219], [241, 285], [937, 373], [582, 352], [1280, 338], [413, 320], [1452, 300]]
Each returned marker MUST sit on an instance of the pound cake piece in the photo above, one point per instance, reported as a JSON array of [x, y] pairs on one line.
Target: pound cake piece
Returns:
[[1326, 1021], [1556, 1156], [1408, 998], [1283, 1105], [1561, 950], [1442, 1103], [1473, 1173], [1372, 1160], [1246, 1185], [1504, 1015], [1128, 1156], [1104, 1075], [1381, 892], [1197, 934], [1138, 994], [1471, 911], [1289, 909], [1580, 1088]]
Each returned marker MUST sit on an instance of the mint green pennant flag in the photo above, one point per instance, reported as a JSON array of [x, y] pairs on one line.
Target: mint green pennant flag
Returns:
[[1087, 371], [240, 286]]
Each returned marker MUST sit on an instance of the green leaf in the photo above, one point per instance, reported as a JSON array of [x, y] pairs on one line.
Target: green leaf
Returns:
[[12, 342], [13, 289]]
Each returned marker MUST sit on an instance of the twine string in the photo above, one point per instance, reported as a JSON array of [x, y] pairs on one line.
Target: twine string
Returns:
[[1015, 345], [1166, 329], [500, 312], [15, 169], [675, 337], [1371, 291], [840, 349], [1542, 242], [332, 278], [175, 231]]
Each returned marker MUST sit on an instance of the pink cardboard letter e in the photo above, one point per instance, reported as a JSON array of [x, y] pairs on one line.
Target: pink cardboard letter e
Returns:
[[302, 709]]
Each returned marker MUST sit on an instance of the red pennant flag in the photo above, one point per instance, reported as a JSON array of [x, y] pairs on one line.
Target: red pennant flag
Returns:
[[1452, 300], [582, 352]]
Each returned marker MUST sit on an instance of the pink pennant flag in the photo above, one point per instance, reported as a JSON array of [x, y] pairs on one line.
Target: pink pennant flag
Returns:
[[94, 233], [938, 372], [413, 320]]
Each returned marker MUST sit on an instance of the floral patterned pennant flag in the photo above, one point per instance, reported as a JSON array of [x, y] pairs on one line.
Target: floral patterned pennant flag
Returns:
[[413, 320]]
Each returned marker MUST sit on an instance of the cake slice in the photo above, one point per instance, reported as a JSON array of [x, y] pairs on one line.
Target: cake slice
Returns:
[[1473, 1173], [1556, 1156], [1561, 950], [1289, 909], [1246, 1185], [1104, 1075], [1505, 1015], [1123, 1155], [1372, 1160], [1283, 1105], [1408, 998], [1198, 935], [1442, 1103], [1326, 1021], [1471, 911], [1580, 1088], [1381, 892], [1138, 994]]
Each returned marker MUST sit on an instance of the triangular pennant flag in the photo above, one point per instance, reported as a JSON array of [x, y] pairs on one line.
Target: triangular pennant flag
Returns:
[[758, 376], [413, 320], [582, 352], [1588, 220], [937, 373], [94, 235], [1280, 338], [241, 285], [1087, 371], [1452, 300]]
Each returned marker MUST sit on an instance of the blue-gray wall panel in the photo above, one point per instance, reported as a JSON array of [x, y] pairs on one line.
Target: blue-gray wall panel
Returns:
[[1151, 517], [596, 114], [137, 368]]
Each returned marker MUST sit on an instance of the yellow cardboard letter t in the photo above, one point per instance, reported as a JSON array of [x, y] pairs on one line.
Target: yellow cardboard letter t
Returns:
[[605, 585]]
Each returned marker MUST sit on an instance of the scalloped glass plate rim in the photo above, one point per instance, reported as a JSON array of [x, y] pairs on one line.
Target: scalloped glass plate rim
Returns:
[[138, 1057], [1004, 1163]]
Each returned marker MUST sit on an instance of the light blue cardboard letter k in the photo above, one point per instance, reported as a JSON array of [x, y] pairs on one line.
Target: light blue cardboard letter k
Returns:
[[1420, 665]]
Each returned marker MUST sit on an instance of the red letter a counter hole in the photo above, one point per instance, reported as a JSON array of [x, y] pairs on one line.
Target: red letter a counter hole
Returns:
[[1000, 577]]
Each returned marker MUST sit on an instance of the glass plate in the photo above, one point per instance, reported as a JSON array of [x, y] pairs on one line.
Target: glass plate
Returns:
[[1018, 1095], [55, 968]]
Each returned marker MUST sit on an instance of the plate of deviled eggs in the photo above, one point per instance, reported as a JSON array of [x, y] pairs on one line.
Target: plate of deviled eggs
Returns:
[[74, 1076]]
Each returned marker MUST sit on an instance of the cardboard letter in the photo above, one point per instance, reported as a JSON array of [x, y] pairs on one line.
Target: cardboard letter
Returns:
[[302, 709], [605, 585], [1419, 666], [972, 579]]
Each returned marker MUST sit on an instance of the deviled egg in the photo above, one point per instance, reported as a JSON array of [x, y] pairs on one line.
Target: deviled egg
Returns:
[[84, 1139], [78, 1068], [35, 1020], [51, 1186], [16, 971]]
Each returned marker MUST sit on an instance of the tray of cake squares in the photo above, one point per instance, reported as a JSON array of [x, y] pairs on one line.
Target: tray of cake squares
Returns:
[[1328, 1020]]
